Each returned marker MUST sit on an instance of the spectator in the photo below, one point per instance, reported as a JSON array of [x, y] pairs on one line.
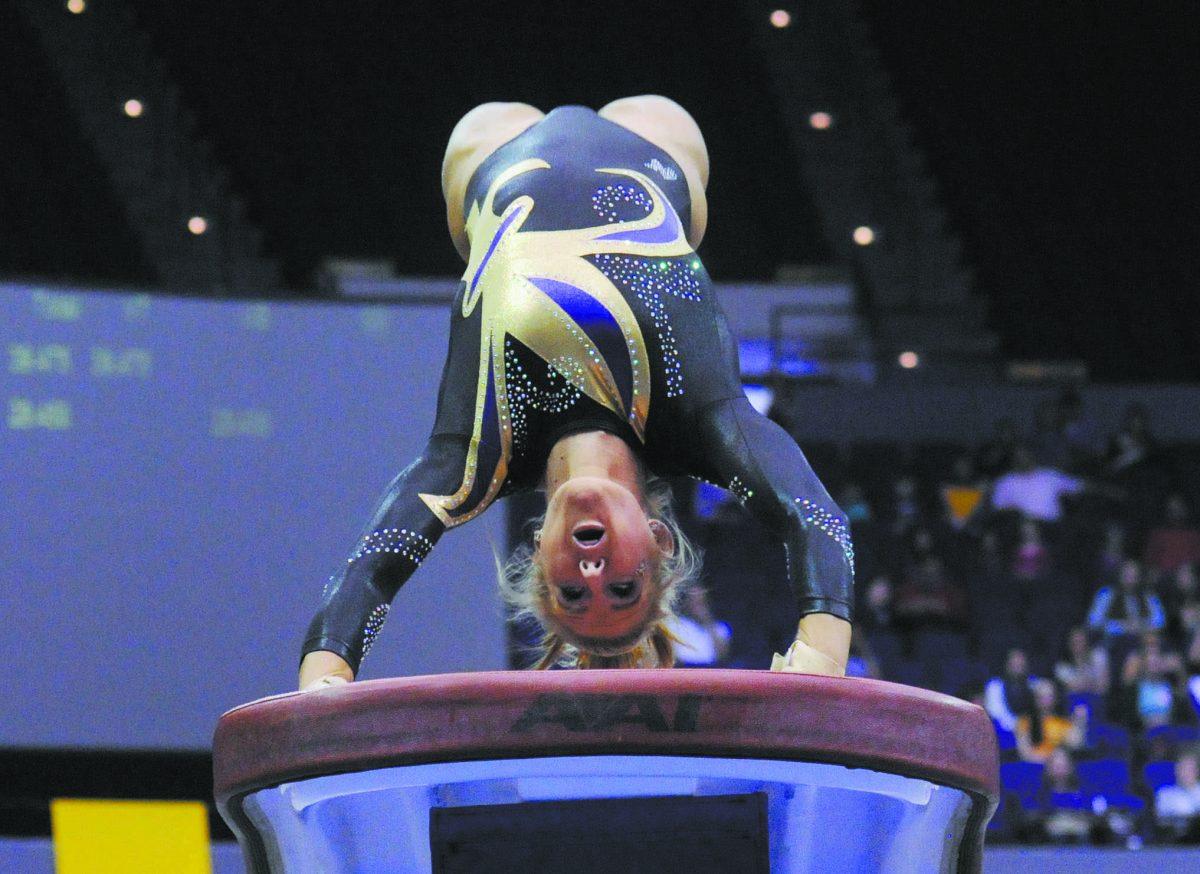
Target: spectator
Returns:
[[992, 562], [1181, 601], [1190, 624], [990, 600], [962, 492], [1046, 440], [928, 598], [1031, 557], [700, 640], [1084, 670], [1046, 728], [1038, 601], [1112, 553], [866, 530], [864, 660], [854, 504], [874, 628], [1177, 805], [1192, 683], [1160, 660], [1032, 490], [876, 612], [1078, 429], [918, 545], [1061, 812], [996, 455], [1176, 540], [1127, 609], [906, 507], [1148, 681], [1133, 442], [1010, 695]]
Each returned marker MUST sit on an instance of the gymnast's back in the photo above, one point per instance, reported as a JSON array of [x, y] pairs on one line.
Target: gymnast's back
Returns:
[[584, 297]]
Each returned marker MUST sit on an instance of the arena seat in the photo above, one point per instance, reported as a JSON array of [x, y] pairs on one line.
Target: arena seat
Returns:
[[958, 674], [937, 645], [1159, 774], [1022, 779], [1005, 739], [909, 672], [887, 647], [1107, 777], [1070, 801], [411, 774], [1176, 734], [1108, 739], [1093, 702]]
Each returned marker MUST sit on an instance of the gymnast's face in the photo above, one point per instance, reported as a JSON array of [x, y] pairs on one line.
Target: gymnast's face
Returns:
[[597, 551]]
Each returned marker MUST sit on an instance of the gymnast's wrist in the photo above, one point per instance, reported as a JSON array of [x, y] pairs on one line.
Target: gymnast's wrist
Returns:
[[828, 634], [321, 668]]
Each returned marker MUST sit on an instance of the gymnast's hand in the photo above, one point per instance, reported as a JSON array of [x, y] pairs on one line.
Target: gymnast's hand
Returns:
[[822, 646], [321, 669]]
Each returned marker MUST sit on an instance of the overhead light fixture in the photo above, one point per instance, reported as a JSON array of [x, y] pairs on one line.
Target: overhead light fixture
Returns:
[[864, 236]]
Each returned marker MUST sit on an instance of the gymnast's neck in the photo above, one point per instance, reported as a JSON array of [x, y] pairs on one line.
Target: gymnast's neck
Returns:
[[594, 453]]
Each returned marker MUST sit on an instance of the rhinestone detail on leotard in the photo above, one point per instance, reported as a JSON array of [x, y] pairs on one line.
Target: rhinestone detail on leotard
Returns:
[[564, 375], [648, 279], [373, 626], [832, 525], [618, 202], [398, 541], [740, 490]]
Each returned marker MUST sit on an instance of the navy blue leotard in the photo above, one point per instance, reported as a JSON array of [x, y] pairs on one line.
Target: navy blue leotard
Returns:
[[583, 307]]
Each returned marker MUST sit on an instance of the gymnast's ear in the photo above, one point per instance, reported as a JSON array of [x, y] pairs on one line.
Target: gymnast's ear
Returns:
[[663, 536]]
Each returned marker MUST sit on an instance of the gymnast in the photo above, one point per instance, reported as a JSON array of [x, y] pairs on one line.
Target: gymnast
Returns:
[[588, 358]]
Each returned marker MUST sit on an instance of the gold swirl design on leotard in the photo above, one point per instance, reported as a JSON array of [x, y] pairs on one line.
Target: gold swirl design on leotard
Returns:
[[503, 275]]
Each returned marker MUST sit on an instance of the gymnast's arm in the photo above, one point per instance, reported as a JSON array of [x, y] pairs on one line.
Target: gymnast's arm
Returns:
[[753, 457], [400, 534]]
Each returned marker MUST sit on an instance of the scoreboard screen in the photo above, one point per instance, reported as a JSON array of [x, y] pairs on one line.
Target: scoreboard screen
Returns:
[[178, 479]]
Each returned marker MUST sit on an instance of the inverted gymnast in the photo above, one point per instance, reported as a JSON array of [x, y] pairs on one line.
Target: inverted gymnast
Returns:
[[588, 358]]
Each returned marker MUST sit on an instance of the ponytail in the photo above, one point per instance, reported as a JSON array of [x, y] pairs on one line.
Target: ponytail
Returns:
[[554, 646], [663, 642]]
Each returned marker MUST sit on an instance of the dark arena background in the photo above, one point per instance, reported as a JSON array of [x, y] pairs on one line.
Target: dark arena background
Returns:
[[957, 248]]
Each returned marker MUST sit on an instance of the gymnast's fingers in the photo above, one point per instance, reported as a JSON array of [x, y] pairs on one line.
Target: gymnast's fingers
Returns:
[[324, 683], [804, 659]]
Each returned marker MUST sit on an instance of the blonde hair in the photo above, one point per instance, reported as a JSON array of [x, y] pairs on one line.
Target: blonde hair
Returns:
[[527, 594]]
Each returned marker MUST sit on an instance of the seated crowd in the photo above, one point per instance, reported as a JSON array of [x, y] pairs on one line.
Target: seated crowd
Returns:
[[1051, 577]]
